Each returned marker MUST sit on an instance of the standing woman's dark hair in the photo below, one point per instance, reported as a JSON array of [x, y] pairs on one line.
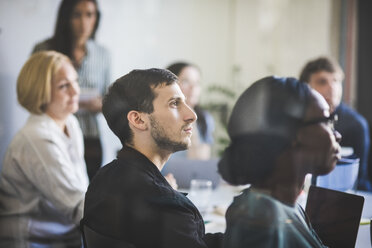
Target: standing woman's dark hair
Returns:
[[74, 34], [189, 80], [62, 40]]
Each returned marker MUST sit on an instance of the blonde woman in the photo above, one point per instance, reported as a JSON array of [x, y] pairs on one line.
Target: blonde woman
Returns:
[[44, 178]]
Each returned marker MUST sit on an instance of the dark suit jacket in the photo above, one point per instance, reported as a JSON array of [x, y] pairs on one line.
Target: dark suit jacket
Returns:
[[355, 133]]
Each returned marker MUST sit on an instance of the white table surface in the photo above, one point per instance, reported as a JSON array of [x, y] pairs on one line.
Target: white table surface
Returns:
[[223, 196]]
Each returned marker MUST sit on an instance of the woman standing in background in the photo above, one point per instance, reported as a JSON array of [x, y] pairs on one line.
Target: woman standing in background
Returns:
[[43, 180], [76, 26], [202, 138]]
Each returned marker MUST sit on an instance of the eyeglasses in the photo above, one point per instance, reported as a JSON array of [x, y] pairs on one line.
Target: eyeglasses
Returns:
[[331, 120]]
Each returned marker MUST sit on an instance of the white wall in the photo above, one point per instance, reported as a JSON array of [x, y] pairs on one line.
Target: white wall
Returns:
[[155, 33], [280, 36], [21, 24], [259, 37]]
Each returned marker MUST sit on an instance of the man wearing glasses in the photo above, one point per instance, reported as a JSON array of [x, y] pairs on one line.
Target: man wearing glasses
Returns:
[[325, 76]]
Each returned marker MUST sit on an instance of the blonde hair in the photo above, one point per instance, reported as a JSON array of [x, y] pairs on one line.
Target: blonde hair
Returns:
[[34, 83]]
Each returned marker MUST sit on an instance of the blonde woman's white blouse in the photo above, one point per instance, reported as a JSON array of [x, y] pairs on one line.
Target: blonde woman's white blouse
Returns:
[[43, 182]]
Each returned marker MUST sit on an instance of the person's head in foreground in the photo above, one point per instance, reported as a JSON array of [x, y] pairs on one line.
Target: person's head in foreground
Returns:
[[146, 109], [280, 130], [48, 84], [325, 76]]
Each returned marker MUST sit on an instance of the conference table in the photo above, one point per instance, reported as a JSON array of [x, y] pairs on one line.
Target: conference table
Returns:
[[223, 195]]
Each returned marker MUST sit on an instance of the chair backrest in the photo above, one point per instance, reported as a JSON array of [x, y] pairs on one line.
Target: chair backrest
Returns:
[[93, 239]]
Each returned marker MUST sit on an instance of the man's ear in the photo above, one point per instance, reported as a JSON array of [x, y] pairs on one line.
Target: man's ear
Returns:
[[136, 119]]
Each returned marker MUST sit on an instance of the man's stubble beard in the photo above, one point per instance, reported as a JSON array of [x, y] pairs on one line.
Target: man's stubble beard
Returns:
[[163, 140]]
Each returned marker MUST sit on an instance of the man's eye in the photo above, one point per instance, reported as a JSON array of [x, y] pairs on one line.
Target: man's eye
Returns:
[[175, 103], [322, 82]]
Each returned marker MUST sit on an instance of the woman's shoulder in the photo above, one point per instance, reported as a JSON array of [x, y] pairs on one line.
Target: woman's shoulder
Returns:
[[260, 206], [38, 125], [97, 48], [72, 120], [36, 129], [43, 127], [43, 46]]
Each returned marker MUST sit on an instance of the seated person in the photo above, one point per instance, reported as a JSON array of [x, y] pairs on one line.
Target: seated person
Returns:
[[129, 200], [44, 178], [325, 76], [280, 131], [202, 138]]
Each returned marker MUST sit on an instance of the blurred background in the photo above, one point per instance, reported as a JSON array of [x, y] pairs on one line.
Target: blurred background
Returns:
[[234, 42]]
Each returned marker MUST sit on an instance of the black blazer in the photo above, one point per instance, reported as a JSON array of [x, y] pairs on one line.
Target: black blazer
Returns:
[[130, 200]]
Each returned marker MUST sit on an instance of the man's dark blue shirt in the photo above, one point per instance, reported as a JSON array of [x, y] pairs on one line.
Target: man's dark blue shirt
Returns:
[[355, 133]]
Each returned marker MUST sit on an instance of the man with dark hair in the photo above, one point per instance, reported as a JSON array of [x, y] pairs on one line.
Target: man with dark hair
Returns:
[[129, 200], [325, 76]]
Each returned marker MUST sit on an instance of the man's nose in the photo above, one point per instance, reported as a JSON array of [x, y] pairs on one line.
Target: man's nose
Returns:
[[331, 91], [190, 115]]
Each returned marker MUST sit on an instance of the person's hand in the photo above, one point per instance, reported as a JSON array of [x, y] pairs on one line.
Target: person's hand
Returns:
[[172, 181], [92, 105]]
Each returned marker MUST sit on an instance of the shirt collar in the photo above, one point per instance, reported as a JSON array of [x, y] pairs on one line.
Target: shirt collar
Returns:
[[140, 160]]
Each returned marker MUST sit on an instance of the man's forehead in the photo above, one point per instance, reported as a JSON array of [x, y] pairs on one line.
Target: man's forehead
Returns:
[[168, 92], [336, 74]]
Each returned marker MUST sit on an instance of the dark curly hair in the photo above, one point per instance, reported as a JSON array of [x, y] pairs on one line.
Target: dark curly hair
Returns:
[[262, 125]]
